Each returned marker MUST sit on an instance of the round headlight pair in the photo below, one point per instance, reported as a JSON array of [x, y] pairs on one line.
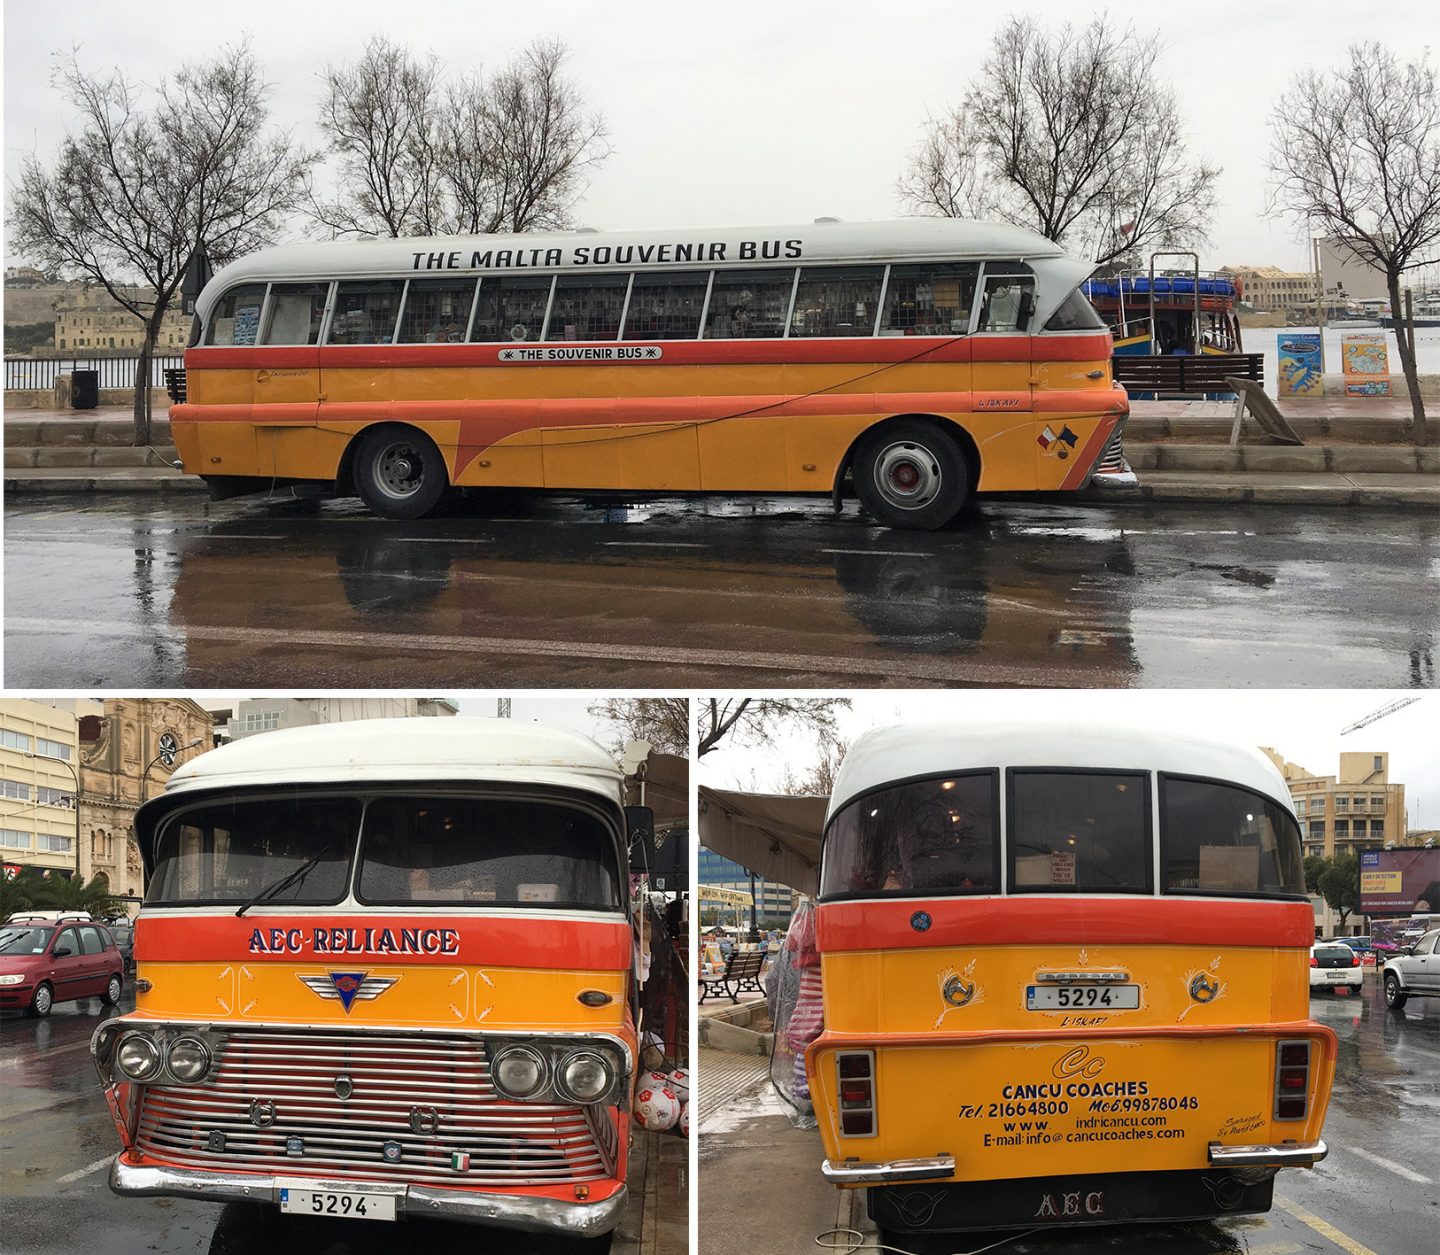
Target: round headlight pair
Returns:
[[138, 1058], [583, 1076], [519, 1072]]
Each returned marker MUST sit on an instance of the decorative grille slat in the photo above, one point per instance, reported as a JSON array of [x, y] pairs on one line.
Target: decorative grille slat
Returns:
[[509, 1143]]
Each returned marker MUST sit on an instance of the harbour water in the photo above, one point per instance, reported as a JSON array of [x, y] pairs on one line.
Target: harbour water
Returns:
[[1265, 339]]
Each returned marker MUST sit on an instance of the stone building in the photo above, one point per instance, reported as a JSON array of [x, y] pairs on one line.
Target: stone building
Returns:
[[1270, 288], [88, 320], [38, 776], [1357, 809], [127, 752]]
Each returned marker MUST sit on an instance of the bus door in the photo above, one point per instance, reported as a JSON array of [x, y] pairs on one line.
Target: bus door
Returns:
[[1002, 378]]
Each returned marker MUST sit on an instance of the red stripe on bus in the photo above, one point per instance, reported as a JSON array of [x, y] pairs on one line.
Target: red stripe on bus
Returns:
[[557, 945], [1062, 920], [884, 350], [1094, 447]]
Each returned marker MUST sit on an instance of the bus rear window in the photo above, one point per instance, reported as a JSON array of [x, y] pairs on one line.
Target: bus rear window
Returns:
[[1079, 832], [486, 851], [925, 837], [230, 851], [1221, 839]]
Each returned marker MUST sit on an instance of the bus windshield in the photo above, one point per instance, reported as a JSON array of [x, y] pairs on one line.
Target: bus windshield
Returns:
[[470, 851], [931, 836], [1079, 831], [230, 851]]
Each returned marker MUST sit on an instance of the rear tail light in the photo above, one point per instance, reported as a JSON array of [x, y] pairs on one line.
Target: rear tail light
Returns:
[[1314, 962], [1292, 1079], [855, 1076], [1354, 960]]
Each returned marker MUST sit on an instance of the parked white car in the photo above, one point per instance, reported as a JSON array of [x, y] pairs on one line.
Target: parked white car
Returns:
[[1414, 974], [1333, 965]]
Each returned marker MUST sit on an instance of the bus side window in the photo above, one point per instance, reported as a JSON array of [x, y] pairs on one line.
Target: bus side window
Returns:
[[295, 313], [1004, 299], [749, 304], [365, 313], [587, 307], [836, 301], [666, 306], [511, 310], [934, 299], [235, 320], [437, 311]]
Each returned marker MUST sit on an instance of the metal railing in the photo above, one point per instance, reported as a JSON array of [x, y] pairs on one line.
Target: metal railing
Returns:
[[40, 373]]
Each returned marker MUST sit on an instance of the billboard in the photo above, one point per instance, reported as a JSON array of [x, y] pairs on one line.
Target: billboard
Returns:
[[1399, 882]]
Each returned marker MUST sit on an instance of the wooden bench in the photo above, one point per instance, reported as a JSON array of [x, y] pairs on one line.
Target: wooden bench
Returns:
[[1186, 372], [741, 974]]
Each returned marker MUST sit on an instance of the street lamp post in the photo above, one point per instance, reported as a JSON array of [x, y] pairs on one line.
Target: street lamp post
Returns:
[[70, 768], [754, 923], [168, 754]]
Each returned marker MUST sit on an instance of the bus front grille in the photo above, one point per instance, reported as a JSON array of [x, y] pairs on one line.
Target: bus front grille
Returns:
[[427, 1095]]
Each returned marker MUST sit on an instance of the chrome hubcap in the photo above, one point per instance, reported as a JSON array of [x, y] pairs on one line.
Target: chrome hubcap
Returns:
[[907, 475], [42, 999], [398, 470]]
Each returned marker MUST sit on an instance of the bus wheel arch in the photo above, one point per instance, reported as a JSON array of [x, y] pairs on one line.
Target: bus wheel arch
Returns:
[[396, 470], [913, 471]]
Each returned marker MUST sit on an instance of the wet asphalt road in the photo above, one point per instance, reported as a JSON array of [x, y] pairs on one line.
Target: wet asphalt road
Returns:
[[57, 1140], [136, 591]]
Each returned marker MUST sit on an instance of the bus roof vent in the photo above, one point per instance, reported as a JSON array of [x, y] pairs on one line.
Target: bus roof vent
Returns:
[[819, 220], [587, 230]]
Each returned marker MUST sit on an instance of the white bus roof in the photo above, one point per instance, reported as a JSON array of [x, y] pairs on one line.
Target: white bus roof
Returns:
[[905, 751], [372, 751], [825, 241]]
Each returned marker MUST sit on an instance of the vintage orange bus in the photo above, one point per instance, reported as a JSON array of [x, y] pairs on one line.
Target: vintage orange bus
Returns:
[[1065, 978], [384, 969], [920, 360]]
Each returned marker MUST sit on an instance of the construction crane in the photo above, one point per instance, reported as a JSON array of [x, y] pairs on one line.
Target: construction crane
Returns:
[[1388, 709]]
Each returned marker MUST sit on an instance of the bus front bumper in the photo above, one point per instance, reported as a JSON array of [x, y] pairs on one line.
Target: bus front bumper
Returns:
[[1285, 1155], [536, 1215], [850, 1172]]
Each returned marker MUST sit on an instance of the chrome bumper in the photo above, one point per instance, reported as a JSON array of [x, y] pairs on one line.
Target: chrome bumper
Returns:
[[536, 1215], [1113, 481], [846, 1173], [1286, 1155]]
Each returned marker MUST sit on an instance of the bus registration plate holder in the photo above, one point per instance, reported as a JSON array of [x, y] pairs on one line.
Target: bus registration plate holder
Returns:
[[302, 1198], [1082, 997]]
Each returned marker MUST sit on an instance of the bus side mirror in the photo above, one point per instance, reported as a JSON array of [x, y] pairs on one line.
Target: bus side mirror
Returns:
[[1027, 309], [640, 830]]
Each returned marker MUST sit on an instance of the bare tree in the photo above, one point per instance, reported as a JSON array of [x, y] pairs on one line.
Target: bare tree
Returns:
[[759, 720], [1356, 153], [422, 156], [663, 721], [818, 780], [134, 192], [1072, 134]]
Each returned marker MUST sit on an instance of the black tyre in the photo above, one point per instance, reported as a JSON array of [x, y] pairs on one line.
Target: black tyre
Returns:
[[1395, 997], [111, 996], [911, 474], [41, 1001], [399, 472]]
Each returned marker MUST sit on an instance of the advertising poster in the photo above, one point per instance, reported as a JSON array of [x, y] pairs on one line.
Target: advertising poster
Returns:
[[1299, 365], [1366, 358], [1399, 882]]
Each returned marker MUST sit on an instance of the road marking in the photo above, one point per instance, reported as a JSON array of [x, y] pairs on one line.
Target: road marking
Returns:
[[947, 670], [1324, 1228], [653, 544], [883, 553], [1398, 1169], [86, 1171]]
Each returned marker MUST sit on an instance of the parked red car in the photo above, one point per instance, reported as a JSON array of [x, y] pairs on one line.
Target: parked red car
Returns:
[[43, 962]]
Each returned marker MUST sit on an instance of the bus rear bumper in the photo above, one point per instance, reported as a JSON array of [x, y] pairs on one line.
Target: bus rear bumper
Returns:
[[1285, 1155], [850, 1172], [536, 1215]]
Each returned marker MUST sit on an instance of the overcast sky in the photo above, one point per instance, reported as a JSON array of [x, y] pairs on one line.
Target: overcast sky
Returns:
[[746, 113], [1304, 727]]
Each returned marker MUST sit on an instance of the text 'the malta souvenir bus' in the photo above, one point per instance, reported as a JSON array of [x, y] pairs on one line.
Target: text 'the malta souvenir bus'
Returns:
[[1065, 978], [921, 360], [383, 970]]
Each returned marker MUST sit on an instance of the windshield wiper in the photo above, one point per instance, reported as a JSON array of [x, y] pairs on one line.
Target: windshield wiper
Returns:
[[299, 873]]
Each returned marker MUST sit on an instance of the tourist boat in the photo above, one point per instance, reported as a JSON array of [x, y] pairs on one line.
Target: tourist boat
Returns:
[[1172, 311]]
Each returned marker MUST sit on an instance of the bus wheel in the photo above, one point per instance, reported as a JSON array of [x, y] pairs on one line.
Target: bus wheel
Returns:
[[911, 474], [399, 472]]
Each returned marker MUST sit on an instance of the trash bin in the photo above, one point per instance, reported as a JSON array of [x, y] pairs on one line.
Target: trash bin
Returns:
[[85, 389]]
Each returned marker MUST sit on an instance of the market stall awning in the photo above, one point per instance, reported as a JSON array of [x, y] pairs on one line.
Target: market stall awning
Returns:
[[775, 835]]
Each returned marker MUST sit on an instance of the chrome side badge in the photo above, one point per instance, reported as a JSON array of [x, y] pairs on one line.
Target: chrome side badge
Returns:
[[347, 987]]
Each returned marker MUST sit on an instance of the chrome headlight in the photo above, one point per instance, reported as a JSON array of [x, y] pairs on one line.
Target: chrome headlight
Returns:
[[583, 1076], [138, 1058], [13, 979], [519, 1072], [188, 1059]]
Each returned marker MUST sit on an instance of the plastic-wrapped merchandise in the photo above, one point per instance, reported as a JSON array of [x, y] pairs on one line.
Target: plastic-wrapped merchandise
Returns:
[[793, 992]]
